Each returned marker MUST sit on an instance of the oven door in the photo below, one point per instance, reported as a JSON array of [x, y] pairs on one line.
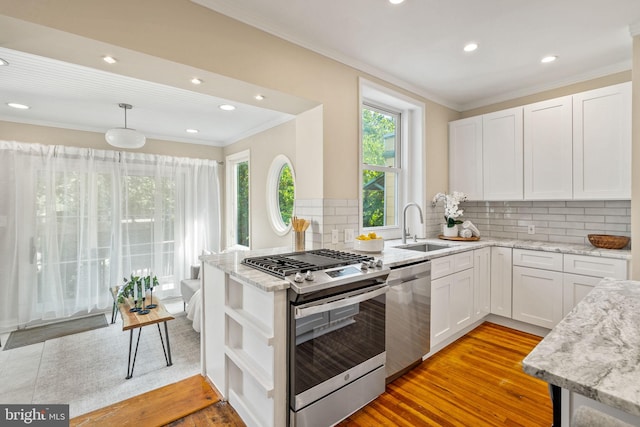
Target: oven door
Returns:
[[335, 341]]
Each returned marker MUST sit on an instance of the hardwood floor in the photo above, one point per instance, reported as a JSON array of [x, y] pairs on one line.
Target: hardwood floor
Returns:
[[476, 381]]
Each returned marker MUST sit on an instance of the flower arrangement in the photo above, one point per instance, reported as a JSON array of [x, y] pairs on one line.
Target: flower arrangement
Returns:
[[451, 210], [136, 285]]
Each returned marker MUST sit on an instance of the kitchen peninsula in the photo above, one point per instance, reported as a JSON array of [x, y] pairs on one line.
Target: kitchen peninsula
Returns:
[[593, 354], [245, 315]]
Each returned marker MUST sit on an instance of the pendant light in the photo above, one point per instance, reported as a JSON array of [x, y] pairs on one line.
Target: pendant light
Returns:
[[125, 137]]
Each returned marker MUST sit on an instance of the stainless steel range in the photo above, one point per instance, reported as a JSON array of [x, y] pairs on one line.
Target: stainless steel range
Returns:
[[336, 331]]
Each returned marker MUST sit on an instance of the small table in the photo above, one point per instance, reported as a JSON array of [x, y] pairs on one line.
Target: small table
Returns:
[[133, 320]]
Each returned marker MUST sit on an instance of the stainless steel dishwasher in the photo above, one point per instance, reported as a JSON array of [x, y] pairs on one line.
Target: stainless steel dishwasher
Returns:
[[408, 317]]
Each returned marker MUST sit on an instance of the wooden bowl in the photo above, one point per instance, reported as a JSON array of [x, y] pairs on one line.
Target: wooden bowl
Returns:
[[607, 241]]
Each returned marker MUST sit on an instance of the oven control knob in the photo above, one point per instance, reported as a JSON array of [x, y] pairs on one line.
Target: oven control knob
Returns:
[[372, 264], [379, 263], [298, 278], [364, 266], [309, 276]]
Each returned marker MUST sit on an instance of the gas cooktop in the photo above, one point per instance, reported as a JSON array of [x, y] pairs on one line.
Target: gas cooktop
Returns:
[[283, 265]]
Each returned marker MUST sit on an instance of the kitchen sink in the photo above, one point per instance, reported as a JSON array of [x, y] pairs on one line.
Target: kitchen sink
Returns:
[[425, 247]]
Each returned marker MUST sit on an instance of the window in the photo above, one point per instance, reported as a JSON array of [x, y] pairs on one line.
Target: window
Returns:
[[238, 206], [381, 166], [391, 160], [280, 194]]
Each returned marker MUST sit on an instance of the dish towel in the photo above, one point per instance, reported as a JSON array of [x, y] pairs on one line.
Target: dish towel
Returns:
[[468, 225]]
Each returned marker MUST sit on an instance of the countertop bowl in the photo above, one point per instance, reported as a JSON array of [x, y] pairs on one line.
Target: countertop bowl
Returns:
[[607, 241], [373, 245]]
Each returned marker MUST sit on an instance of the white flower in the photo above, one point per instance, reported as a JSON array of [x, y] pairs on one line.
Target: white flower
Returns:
[[451, 202]]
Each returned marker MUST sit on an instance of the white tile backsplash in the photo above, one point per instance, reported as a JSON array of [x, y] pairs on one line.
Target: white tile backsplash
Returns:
[[555, 221]]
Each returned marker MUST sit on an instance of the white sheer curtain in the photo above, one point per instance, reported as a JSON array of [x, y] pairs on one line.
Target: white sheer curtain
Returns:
[[75, 221]]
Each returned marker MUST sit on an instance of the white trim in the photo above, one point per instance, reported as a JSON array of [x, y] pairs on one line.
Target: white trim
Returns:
[[411, 183], [231, 161], [273, 205]]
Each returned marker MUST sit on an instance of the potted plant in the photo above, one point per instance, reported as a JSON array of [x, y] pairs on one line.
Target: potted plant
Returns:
[[136, 286], [451, 211]]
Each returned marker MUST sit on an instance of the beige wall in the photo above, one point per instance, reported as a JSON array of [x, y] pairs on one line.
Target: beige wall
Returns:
[[10, 131], [204, 39], [264, 147], [635, 163], [609, 80]]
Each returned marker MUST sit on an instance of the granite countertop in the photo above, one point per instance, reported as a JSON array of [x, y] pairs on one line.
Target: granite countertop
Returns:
[[393, 255], [595, 349]]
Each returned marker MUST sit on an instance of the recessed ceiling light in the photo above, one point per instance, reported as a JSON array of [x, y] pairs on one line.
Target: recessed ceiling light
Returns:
[[109, 59], [470, 47], [396, 1], [196, 81], [18, 106], [548, 59], [3, 62], [192, 130], [227, 107], [259, 97]]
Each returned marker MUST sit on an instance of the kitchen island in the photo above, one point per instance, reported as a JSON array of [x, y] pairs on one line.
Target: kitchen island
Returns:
[[592, 357]]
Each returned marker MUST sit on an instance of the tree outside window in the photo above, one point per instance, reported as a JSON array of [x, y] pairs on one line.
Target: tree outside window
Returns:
[[380, 168]]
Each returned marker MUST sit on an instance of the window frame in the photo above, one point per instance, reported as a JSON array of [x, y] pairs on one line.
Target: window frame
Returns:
[[232, 162], [411, 186], [273, 187]]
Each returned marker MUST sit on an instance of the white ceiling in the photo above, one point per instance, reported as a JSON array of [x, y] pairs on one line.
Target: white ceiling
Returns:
[[61, 94], [418, 44]]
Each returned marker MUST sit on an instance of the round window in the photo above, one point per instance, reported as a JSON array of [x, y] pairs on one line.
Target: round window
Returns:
[[280, 194]]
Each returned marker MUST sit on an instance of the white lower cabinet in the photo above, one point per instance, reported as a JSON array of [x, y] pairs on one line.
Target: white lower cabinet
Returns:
[[537, 296], [501, 264], [481, 283], [451, 304], [452, 296]]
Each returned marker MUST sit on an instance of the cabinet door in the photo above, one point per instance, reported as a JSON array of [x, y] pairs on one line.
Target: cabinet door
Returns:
[[574, 288], [441, 326], [502, 155], [451, 305], [501, 281], [465, 157], [537, 296], [602, 143], [481, 282], [462, 312], [548, 152]]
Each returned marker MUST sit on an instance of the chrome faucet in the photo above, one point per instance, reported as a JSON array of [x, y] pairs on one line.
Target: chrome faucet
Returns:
[[405, 232]]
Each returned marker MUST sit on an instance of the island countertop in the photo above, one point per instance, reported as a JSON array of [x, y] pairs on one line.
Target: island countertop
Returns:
[[595, 349]]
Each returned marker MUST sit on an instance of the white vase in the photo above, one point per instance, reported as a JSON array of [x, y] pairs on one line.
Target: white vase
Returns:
[[450, 231]]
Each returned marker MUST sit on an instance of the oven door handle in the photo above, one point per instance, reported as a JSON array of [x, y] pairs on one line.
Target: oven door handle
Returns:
[[321, 308]]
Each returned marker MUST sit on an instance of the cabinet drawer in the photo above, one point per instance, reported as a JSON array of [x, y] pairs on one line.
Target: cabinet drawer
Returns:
[[538, 259], [446, 265], [595, 266]]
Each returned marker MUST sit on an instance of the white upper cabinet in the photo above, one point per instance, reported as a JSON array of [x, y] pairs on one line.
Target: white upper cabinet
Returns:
[[465, 154], [602, 143], [571, 148], [548, 154], [502, 154]]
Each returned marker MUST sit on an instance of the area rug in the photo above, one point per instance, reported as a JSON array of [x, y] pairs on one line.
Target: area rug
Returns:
[[23, 337], [88, 370]]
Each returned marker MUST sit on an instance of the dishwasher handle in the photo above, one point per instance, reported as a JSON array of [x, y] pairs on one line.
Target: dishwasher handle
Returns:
[[409, 273]]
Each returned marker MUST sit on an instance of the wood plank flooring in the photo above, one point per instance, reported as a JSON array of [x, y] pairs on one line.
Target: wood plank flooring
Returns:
[[155, 408], [476, 381]]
